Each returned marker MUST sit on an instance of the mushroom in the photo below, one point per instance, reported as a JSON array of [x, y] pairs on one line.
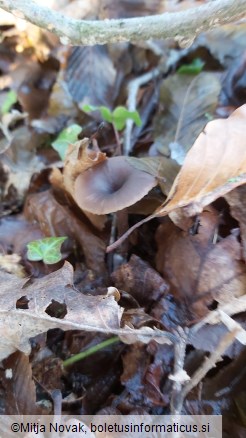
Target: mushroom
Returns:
[[111, 185]]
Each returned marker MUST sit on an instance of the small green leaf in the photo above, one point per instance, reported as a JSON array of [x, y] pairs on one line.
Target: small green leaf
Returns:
[[9, 101], [121, 114], [89, 108], [118, 117], [106, 114], [193, 68], [47, 249], [67, 136]]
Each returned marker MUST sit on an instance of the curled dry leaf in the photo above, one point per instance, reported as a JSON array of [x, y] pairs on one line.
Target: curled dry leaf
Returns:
[[215, 165], [82, 312]]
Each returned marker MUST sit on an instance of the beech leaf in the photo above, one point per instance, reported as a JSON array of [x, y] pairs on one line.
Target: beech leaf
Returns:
[[215, 165]]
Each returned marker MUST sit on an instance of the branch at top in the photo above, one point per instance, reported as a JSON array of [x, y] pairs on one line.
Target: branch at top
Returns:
[[184, 25]]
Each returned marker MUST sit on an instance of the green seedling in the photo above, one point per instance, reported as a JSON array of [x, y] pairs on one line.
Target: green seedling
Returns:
[[67, 136], [48, 250], [117, 117], [9, 101], [194, 68]]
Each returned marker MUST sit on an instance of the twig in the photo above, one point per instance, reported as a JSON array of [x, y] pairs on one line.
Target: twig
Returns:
[[209, 363], [179, 375], [133, 88], [184, 25]]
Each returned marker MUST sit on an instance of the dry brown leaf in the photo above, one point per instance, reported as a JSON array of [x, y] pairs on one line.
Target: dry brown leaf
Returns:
[[215, 165], [140, 280], [19, 386], [55, 294], [184, 102], [56, 219], [83, 312], [198, 270]]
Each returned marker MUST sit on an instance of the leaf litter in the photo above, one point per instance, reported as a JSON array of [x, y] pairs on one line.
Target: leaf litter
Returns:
[[183, 287]]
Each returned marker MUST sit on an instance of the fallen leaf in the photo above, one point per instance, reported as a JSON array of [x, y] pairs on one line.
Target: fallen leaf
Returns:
[[83, 312], [20, 390], [11, 263], [198, 270], [87, 66], [234, 84], [225, 43], [214, 166], [55, 219], [15, 233], [140, 280], [186, 100], [164, 169]]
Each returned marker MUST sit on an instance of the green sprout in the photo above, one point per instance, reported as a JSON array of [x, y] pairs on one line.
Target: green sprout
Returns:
[[194, 68], [66, 136], [47, 249], [9, 101], [117, 117]]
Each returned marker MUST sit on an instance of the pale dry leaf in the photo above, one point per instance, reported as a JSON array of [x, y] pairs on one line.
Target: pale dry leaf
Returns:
[[233, 307], [100, 313], [215, 165], [11, 263]]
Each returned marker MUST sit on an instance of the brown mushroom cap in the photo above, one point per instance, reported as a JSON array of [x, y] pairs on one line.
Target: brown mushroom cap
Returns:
[[111, 186]]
